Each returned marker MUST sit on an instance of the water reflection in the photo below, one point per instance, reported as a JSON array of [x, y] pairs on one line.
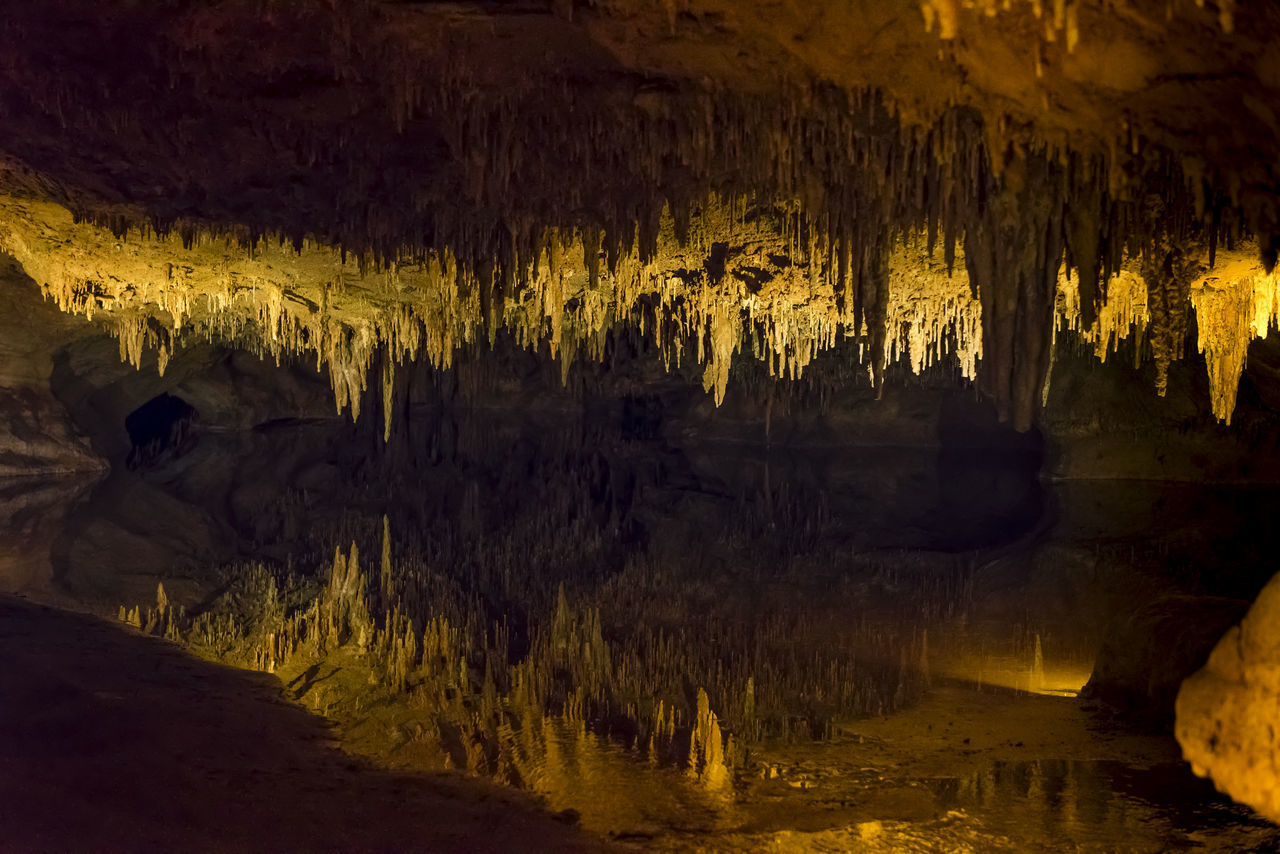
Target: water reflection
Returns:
[[802, 590], [1103, 806], [989, 657], [615, 792]]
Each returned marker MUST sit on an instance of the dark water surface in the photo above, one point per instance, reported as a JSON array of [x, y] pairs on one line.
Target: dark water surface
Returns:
[[899, 569]]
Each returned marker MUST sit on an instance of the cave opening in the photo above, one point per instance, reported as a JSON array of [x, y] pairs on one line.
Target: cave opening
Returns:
[[162, 426], [639, 424]]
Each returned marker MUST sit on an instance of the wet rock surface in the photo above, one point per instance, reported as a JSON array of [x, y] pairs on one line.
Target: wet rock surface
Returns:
[[1228, 713]]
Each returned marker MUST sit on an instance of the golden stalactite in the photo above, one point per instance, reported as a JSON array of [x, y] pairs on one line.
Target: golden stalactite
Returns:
[[1235, 303], [738, 286], [772, 297], [932, 313], [1123, 313], [1057, 18]]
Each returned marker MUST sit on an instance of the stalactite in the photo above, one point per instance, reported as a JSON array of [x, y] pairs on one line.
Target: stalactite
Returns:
[[874, 302], [1234, 304], [1013, 253], [1084, 211], [800, 248], [1063, 19], [931, 313], [1169, 274], [1122, 313]]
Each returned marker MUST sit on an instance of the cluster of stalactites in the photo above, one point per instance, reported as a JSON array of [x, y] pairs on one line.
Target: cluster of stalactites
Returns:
[[933, 312], [778, 290], [774, 294], [1057, 18], [1121, 315], [1235, 302], [863, 230]]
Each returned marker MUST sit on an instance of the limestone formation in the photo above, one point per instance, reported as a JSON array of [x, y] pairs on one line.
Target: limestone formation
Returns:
[[919, 205], [409, 194], [1228, 713], [770, 298]]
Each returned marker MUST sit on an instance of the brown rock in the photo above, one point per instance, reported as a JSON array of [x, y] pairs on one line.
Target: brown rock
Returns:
[[1228, 713]]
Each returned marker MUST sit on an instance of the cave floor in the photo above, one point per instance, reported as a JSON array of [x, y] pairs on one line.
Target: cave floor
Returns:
[[117, 742]]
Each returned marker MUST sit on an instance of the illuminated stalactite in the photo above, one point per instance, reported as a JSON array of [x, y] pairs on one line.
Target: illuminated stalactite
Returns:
[[739, 287], [1013, 256], [932, 313], [458, 201], [1169, 274], [1085, 208], [281, 301], [1234, 303], [811, 256], [1057, 18], [1122, 314]]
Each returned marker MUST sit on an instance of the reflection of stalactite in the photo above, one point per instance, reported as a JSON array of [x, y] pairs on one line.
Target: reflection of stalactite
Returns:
[[707, 748]]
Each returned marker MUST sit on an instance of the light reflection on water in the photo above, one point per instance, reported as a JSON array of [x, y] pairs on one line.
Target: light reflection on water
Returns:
[[1100, 805], [1041, 803], [999, 668], [1036, 805], [614, 792]]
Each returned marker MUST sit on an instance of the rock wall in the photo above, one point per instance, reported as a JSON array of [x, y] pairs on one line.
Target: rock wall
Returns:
[[37, 437]]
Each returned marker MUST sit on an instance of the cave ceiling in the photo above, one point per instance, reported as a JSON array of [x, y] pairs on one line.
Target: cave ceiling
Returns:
[[365, 183]]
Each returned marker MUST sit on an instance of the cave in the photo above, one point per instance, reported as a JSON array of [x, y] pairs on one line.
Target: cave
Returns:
[[161, 426], [681, 425]]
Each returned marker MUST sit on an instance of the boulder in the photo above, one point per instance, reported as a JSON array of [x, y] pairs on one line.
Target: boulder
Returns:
[[1228, 712]]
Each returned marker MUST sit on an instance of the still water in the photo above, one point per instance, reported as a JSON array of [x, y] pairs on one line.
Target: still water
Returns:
[[892, 642]]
